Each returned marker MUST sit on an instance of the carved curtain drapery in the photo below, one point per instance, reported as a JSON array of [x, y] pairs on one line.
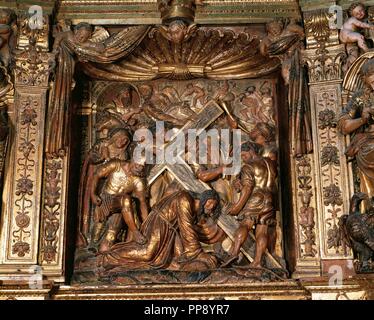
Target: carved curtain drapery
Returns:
[[115, 47]]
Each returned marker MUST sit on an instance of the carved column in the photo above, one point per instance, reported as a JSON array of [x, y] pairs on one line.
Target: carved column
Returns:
[[20, 219], [324, 57]]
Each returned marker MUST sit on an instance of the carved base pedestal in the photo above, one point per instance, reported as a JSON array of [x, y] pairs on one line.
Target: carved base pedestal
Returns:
[[360, 287]]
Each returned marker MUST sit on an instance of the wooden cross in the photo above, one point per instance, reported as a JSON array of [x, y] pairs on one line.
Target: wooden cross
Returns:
[[183, 173]]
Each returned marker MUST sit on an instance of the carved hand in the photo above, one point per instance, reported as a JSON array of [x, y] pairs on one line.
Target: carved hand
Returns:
[[365, 115]]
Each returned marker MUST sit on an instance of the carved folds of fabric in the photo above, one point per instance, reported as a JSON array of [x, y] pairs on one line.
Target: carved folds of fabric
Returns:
[[208, 53], [115, 47]]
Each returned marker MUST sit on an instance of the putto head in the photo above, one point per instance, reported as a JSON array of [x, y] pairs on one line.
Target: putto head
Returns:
[[83, 31], [124, 96], [274, 27], [357, 10]]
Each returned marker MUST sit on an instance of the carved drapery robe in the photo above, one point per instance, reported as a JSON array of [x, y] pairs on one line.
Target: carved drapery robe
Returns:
[[172, 241], [362, 142]]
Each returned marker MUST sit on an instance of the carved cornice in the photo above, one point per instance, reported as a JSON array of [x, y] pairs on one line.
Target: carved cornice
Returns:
[[247, 11], [143, 12], [22, 6], [307, 5]]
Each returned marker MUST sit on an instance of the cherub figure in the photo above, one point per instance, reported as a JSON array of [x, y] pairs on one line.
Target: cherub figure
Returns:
[[81, 35], [349, 33], [177, 31], [274, 30]]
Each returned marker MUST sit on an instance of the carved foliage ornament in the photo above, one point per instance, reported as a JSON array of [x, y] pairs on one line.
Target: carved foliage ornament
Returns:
[[33, 65], [51, 210], [323, 59], [25, 166], [326, 119], [306, 214], [330, 166], [182, 9], [329, 155], [324, 65], [317, 26]]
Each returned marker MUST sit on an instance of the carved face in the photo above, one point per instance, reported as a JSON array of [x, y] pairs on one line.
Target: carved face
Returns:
[[177, 32], [210, 206], [247, 155], [126, 97], [257, 137], [359, 12], [137, 167], [121, 140], [251, 90], [5, 16], [274, 28], [369, 80], [82, 35]]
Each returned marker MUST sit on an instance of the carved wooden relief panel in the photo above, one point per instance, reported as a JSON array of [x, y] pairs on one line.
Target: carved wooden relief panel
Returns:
[[176, 105]]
